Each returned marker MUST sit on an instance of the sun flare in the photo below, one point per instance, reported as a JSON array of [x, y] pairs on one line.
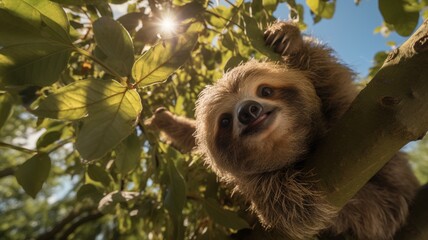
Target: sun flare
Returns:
[[168, 25]]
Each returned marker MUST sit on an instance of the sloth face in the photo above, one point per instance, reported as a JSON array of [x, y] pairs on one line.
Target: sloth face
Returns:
[[259, 117]]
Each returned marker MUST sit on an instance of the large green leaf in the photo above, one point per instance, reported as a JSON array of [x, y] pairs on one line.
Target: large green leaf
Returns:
[[111, 112], [89, 97], [33, 63], [89, 191], [44, 15], [128, 154], [35, 42], [224, 217], [395, 12], [6, 107], [164, 58], [116, 44], [176, 194], [98, 174], [103, 132], [33, 173]]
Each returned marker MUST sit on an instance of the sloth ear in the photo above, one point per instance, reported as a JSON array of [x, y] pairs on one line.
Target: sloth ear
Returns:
[[177, 131]]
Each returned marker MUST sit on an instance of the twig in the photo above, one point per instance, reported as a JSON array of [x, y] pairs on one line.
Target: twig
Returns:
[[9, 171], [21, 149]]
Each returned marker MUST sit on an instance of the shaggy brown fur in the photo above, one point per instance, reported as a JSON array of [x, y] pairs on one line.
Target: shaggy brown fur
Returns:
[[301, 98], [178, 131]]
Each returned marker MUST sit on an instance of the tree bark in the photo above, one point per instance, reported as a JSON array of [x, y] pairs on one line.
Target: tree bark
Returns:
[[390, 112]]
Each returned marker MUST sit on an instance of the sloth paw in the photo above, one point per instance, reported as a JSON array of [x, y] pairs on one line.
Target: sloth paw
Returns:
[[284, 38]]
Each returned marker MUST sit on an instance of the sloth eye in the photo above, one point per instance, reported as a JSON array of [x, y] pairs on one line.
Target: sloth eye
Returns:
[[225, 121], [265, 91]]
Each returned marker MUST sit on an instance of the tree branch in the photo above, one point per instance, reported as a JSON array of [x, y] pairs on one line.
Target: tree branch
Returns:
[[391, 111], [94, 215], [62, 224], [18, 148], [5, 172]]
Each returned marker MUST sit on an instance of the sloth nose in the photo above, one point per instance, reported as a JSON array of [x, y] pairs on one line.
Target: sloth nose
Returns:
[[249, 111]]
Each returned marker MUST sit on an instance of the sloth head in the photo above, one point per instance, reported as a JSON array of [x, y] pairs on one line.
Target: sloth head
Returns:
[[258, 117]]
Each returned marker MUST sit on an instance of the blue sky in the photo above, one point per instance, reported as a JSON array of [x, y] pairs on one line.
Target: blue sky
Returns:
[[350, 32]]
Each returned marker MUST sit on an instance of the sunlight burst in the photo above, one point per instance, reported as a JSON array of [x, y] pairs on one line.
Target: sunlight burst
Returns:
[[168, 25]]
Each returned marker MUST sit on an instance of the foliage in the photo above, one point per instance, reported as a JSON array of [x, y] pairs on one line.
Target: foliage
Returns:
[[79, 84]]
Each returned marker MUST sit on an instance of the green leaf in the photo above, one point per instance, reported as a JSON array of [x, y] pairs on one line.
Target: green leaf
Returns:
[[128, 154], [101, 7], [118, 1], [102, 133], [256, 6], [33, 173], [219, 22], [6, 107], [44, 15], [109, 201], [378, 61], [73, 2], [270, 5], [89, 191], [163, 59], [35, 42], [111, 112], [227, 41], [98, 174], [425, 13], [190, 10], [394, 12], [88, 97], [256, 38], [131, 21], [37, 64], [49, 137], [116, 43], [176, 195], [233, 62], [224, 217], [322, 8]]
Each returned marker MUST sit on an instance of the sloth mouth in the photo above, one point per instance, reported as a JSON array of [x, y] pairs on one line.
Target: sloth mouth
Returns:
[[260, 124]]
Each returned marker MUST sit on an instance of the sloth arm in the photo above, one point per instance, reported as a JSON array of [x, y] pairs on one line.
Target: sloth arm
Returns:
[[178, 131]]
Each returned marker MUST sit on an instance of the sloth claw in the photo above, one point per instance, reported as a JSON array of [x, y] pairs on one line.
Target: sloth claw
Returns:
[[284, 38]]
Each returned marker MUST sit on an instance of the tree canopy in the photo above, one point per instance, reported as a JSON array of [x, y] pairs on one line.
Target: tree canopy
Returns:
[[76, 84]]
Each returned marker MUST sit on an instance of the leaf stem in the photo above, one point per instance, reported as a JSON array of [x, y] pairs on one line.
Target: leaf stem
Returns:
[[21, 149], [102, 64]]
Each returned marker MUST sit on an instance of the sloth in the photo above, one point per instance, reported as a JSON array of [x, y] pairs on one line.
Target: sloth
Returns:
[[257, 125]]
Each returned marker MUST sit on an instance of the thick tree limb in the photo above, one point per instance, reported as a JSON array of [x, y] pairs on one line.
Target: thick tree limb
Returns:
[[390, 112]]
